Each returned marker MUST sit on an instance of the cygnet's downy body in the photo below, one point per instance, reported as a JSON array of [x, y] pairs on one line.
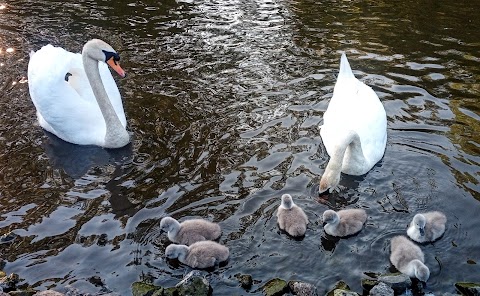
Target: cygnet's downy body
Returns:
[[427, 227], [203, 254], [408, 258], [344, 222], [291, 218], [190, 231]]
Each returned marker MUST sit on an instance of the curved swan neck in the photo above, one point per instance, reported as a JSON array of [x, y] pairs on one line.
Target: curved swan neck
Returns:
[[116, 136], [355, 153], [355, 158]]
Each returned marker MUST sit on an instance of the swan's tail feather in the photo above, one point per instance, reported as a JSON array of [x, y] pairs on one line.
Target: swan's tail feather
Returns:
[[345, 70]]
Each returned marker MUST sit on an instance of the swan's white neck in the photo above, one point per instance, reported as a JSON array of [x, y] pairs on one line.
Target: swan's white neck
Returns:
[[351, 158], [116, 135]]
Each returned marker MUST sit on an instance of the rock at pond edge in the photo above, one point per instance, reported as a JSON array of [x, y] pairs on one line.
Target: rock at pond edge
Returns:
[[275, 287], [468, 289]]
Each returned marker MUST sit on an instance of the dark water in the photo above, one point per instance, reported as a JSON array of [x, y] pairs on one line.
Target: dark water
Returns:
[[223, 99]]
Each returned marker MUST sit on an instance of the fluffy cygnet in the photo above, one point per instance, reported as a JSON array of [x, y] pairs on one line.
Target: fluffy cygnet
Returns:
[[291, 217], [202, 254], [427, 227], [408, 258], [190, 231], [344, 222]]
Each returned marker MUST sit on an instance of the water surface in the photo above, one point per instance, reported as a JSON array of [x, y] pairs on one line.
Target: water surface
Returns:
[[223, 99]]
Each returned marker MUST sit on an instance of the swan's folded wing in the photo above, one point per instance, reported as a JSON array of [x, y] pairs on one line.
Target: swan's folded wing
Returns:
[[67, 114]]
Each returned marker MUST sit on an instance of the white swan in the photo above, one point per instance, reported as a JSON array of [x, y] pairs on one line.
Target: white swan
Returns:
[[190, 231], [202, 254], [354, 129], [427, 227], [344, 222], [75, 95], [291, 217], [408, 258]]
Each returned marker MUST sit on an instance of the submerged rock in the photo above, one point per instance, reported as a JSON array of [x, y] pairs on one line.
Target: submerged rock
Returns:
[[275, 287], [9, 283], [245, 280], [22, 293], [72, 291], [302, 289], [381, 289], [468, 289], [192, 285], [8, 238], [399, 282], [49, 293]]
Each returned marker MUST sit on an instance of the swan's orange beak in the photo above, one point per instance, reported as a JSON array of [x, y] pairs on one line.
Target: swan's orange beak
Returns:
[[116, 66]]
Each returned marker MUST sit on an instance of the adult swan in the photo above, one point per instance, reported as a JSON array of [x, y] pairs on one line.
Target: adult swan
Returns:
[[354, 129], [75, 95]]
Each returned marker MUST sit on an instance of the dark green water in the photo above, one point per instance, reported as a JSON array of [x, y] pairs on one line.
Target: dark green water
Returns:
[[223, 99]]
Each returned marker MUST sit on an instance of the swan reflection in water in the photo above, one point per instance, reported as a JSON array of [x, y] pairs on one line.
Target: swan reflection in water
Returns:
[[77, 160]]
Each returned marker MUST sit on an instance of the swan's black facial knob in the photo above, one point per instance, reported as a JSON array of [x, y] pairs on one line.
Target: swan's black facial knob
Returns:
[[67, 76]]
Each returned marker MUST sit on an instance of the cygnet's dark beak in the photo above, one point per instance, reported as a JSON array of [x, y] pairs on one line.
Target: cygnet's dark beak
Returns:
[[422, 231]]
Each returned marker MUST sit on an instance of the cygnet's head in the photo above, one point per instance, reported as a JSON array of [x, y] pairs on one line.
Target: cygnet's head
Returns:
[[421, 271], [168, 224], [174, 251], [287, 201], [420, 221], [330, 216]]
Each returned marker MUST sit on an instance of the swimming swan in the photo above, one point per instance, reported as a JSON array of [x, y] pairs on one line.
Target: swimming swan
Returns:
[[75, 95], [354, 129], [291, 217], [190, 231], [202, 254], [344, 222], [408, 258], [427, 227]]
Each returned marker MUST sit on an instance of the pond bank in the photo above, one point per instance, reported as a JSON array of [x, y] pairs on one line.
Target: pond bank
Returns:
[[195, 283]]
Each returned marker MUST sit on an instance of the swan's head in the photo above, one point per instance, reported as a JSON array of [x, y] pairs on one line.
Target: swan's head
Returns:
[[287, 201], [101, 51], [421, 271], [330, 217], [330, 180], [420, 221], [168, 224]]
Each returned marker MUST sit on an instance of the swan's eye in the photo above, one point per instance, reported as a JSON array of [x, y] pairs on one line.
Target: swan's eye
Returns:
[[111, 55]]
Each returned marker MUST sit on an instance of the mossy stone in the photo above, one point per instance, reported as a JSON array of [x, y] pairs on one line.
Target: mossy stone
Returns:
[[195, 286], [172, 291], [468, 289], [341, 285], [144, 289], [275, 287], [368, 284], [342, 292]]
